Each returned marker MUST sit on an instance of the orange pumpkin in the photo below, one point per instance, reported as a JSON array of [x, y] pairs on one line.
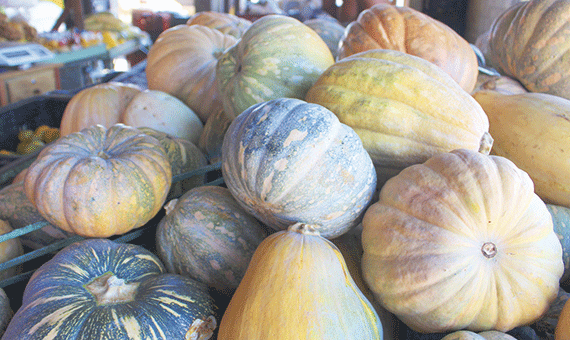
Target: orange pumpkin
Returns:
[[405, 29], [182, 62], [99, 104]]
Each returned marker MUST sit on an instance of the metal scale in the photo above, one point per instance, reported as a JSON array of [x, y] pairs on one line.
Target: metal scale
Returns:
[[22, 55]]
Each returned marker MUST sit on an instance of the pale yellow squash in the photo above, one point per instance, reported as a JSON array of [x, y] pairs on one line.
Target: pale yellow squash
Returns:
[[461, 242], [297, 286], [532, 130]]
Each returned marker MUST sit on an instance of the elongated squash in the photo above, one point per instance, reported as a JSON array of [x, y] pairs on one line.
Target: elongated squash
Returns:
[[531, 129]]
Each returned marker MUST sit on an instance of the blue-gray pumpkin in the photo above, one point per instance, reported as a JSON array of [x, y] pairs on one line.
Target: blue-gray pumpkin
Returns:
[[288, 161], [101, 289]]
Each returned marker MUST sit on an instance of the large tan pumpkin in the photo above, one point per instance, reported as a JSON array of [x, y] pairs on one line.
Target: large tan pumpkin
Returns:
[[182, 62], [531, 43], [100, 182], [100, 104], [224, 22], [532, 130], [404, 108], [385, 26], [461, 242]]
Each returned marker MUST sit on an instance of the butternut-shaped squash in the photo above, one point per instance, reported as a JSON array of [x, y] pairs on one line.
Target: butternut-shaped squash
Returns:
[[297, 286]]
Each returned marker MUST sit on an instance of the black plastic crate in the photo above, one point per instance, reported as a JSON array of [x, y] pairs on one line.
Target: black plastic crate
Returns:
[[30, 113]]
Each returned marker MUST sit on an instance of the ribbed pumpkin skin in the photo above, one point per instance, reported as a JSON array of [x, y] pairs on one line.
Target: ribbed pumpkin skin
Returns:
[[212, 137], [16, 209], [403, 108], [100, 182], [184, 156], [518, 123], [99, 104], [331, 31], [298, 287], [206, 235], [531, 42], [286, 161], [407, 30], [561, 224], [277, 57], [461, 242], [58, 302], [224, 22], [487, 335], [182, 62]]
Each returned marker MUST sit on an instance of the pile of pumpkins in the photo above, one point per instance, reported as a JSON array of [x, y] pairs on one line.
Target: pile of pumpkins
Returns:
[[372, 178]]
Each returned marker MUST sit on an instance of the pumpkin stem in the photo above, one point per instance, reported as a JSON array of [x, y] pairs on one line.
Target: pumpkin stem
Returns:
[[109, 289], [305, 229], [103, 155], [201, 329], [486, 143], [169, 207], [489, 250]]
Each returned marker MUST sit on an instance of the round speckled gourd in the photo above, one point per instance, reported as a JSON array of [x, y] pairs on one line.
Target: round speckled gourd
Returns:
[[184, 156], [100, 182], [404, 108], [182, 62], [207, 236], [224, 22], [100, 289], [530, 42], [298, 287], [288, 161], [461, 242], [277, 57], [561, 223], [18, 211]]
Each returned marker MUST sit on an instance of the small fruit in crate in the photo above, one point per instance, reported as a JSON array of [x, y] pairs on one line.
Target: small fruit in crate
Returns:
[[32, 140]]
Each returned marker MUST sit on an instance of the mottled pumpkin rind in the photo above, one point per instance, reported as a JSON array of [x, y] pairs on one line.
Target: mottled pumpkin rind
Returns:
[[403, 108], [277, 57], [288, 161], [209, 237]]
